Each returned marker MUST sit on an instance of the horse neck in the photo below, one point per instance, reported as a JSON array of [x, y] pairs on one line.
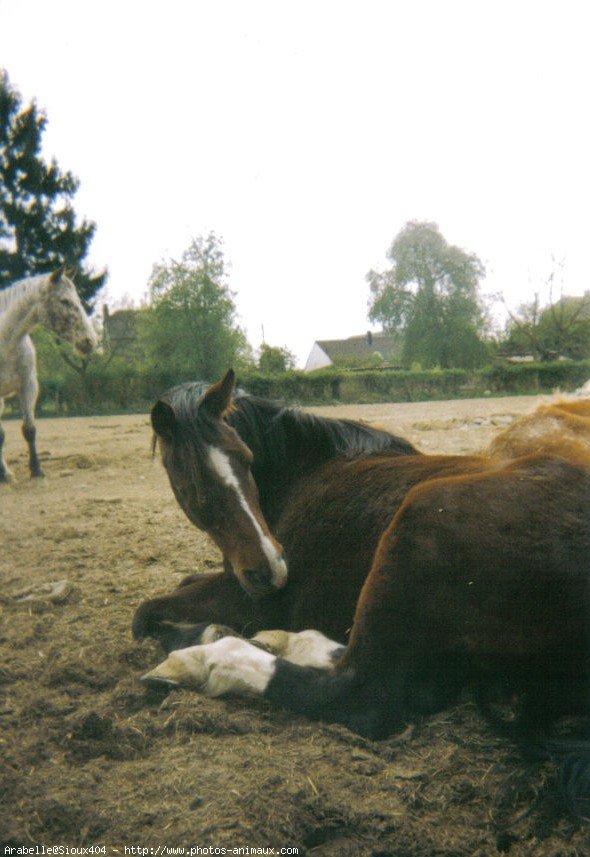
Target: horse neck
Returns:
[[21, 315], [274, 474], [279, 459], [288, 445]]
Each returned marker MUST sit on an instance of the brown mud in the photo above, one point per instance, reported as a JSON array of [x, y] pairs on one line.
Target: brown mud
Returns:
[[88, 757]]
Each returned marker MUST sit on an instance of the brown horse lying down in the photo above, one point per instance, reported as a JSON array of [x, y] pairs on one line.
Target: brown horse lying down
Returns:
[[562, 428], [288, 447], [477, 573]]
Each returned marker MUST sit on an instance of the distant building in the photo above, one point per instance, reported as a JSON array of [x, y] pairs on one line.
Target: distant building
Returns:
[[520, 358], [119, 330], [355, 352]]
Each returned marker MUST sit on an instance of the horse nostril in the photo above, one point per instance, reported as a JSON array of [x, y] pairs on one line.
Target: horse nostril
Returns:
[[86, 346], [258, 575], [258, 579]]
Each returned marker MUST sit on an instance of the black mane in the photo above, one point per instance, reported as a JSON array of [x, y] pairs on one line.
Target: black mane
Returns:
[[195, 424], [276, 433], [286, 442]]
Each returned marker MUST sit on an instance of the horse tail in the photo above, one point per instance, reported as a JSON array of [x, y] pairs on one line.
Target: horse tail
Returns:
[[570, 756]]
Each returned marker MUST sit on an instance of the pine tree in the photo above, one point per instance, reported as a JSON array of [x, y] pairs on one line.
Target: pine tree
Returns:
[[38, 226]]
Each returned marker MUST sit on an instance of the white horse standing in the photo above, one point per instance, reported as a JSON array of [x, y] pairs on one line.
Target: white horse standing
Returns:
[[51, 300]]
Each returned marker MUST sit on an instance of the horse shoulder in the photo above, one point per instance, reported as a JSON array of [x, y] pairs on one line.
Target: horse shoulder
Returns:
[[27, 353], [16, 364]]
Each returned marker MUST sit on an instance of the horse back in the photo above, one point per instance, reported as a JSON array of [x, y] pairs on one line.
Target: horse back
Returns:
[[494, 566], [559, 428], [331, 525]]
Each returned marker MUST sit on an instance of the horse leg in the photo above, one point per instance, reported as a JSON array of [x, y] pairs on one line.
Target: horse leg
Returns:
[[308, 648], [5, 474], [307, 673], [30, 434], [394, 667], [177, 620], [28, 398]]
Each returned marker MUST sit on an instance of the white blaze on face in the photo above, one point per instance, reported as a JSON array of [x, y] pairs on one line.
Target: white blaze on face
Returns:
[[222, 467]]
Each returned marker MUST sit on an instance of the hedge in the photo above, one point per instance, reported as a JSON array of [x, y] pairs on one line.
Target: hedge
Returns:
[[119, 389], [331, 385], [563, 375]]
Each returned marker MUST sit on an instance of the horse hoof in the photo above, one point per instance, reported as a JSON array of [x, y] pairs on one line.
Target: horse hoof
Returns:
[[148, 621], [181, 667], [158, 682], [211, 633]]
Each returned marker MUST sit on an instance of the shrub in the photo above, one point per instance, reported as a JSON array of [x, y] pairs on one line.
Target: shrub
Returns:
[[118, 387]]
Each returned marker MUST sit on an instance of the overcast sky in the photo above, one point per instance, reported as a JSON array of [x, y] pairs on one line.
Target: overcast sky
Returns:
[[306, 134]]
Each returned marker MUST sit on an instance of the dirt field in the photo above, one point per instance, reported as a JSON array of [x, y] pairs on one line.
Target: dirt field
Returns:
[[89, 758]]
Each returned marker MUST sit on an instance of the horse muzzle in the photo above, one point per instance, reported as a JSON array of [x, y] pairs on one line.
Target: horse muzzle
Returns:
[[85, 346], [264, 580]]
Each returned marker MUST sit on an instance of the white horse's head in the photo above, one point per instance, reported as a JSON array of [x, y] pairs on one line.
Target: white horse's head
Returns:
[[65, 315]]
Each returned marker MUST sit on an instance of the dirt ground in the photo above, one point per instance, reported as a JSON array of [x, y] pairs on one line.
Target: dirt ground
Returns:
[[88, 757]]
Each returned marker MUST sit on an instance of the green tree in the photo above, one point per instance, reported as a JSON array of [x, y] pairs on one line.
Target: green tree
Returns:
[[430, 297], [273, 359], [559, 329], [190, 324], [38, 226]]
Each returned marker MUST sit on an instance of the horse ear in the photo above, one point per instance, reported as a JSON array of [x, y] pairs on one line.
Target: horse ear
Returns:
[[218, 398], [56, 276], [70, 273], [163, 420]]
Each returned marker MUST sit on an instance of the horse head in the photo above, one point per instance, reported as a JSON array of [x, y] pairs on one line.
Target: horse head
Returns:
[[65, 314], [209, 468]]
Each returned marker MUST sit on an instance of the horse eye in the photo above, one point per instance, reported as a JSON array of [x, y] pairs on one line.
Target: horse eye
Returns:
[[66, 302]]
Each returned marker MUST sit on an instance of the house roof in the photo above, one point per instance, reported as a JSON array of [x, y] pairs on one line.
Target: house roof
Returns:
[[360, 347]]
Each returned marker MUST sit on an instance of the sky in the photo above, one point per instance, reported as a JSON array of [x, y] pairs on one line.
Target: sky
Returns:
[[306, 134]]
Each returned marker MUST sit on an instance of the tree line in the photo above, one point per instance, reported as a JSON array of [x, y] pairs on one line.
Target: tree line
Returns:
[[428, 297]]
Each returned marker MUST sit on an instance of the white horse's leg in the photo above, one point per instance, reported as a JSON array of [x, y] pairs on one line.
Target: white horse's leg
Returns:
[[5, 474], [28, 401], [28, 394]]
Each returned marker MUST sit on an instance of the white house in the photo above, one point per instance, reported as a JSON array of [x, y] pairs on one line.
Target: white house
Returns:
[[354, 350]]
